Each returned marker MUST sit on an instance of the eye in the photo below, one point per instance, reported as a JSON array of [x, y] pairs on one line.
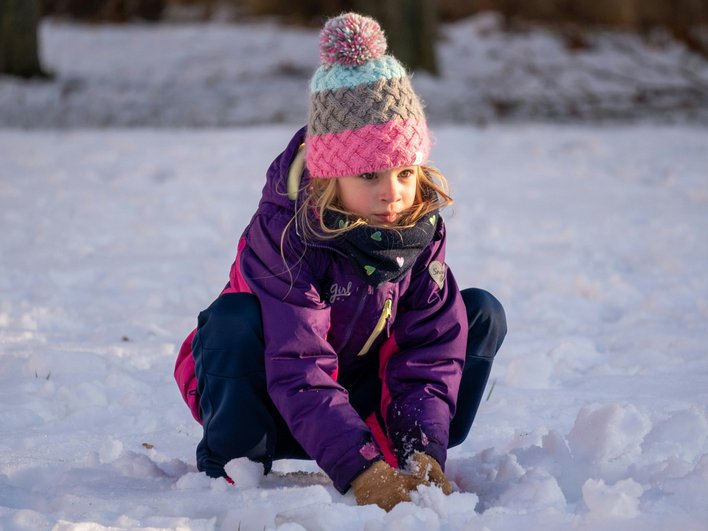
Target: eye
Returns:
[[369, 176], [406, 173]]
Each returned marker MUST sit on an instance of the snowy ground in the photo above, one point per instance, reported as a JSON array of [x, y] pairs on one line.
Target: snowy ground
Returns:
[[221, 75], [111, 241]]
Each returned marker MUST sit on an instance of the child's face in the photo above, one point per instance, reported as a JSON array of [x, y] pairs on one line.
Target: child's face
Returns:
[[379, 197]]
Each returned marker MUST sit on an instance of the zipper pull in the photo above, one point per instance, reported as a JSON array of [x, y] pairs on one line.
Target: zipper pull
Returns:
[[387, 308], [380, 325]]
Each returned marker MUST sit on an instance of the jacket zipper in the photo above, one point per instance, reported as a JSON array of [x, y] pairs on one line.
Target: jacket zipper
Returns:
[[380, 325]]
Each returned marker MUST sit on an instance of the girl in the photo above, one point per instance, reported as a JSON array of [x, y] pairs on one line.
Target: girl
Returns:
[[342, 335]]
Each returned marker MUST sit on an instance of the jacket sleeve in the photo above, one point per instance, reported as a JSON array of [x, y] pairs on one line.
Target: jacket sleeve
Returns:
[[300, 364], [421, 363]]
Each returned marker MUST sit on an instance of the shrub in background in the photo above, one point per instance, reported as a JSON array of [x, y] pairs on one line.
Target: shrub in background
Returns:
[[105, 10]]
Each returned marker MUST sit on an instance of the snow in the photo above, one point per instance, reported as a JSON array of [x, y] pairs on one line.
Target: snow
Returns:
[[113, 239]]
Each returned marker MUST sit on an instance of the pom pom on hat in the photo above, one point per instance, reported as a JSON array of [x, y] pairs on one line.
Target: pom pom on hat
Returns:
[[351, 40]]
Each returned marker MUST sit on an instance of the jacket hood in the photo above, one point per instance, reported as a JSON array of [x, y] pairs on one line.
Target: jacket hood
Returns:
[[275, 191]]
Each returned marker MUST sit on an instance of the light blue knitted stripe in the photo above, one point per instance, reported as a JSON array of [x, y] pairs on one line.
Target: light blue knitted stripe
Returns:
[[337, 76]]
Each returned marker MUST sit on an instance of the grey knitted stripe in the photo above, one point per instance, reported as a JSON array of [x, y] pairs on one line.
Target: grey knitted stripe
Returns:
[[335, 111]]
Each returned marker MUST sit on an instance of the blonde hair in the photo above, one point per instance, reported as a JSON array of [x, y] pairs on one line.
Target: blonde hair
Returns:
[[432, 193]]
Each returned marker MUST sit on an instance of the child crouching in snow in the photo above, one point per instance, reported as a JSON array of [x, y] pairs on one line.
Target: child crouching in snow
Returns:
[[342, 335]]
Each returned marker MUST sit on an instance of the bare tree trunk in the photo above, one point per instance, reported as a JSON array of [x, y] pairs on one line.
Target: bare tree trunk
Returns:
[[411, 29], [19, 54]]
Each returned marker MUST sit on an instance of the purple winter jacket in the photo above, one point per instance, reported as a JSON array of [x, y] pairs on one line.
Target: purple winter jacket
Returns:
[[323, 323]]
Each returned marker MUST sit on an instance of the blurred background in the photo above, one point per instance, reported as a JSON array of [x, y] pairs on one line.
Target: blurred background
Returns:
[[476, 60]]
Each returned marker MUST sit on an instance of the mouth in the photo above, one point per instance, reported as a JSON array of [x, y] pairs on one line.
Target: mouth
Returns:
[[388, 217]]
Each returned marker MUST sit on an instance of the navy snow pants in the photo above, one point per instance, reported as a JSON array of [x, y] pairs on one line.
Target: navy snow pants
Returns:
[[239, 418]]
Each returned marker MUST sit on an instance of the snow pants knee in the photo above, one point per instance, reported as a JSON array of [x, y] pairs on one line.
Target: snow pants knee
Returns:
[[487, 329], [238, 417]]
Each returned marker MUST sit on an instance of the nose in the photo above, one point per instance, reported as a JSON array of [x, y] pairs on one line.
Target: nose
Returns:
[[390, 187]]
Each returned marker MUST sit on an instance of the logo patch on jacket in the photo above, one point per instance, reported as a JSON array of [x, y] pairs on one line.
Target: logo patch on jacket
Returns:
[[337, 292], [437, 272]]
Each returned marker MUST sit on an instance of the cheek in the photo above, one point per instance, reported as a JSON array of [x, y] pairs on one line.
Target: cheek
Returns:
[[354, 200], [409, 195]]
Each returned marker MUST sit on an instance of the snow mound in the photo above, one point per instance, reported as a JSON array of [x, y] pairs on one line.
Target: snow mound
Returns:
[[620, 500]]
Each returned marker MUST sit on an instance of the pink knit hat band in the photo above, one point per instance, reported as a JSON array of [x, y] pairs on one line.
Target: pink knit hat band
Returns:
[[369, 149]]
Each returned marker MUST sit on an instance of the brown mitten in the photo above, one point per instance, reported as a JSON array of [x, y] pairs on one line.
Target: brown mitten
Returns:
[[426, 468], [385, 486]]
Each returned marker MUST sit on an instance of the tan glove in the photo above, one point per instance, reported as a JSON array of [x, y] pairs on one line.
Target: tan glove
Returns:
[[427, 469], [385, 486]]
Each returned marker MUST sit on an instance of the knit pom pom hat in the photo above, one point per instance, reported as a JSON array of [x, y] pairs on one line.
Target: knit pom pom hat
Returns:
[[364, 116]]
